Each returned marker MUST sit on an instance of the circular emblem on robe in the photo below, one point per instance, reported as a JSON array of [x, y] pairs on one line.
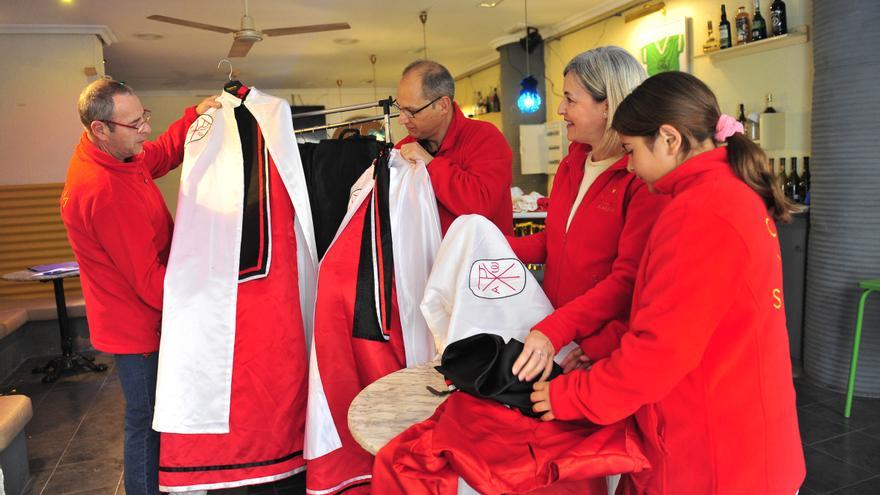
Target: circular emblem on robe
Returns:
[[199, 128], [497, 278]]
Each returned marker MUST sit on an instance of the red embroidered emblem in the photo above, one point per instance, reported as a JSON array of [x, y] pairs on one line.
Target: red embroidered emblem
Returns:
[[497, 278]]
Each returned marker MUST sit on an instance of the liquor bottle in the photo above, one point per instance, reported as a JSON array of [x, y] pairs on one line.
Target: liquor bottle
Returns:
[[791, 189], [769, 108], [496, 102], [772, 166], [743, 26], [481, 108], [759, 27], [724, 30], [741, 118], [711, 43], [803, 185], [778, 23], [783, 177]]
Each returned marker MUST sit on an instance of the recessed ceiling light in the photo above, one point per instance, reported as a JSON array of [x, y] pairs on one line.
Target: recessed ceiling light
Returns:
[[67, 1], [346, 41], [490, 4], [148, 36]]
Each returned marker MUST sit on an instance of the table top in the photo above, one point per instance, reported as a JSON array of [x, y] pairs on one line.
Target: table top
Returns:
[[29, 276], [392, 404], [529, 215]]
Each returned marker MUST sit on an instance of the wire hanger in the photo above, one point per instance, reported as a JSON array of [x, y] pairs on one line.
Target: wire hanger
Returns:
[[220, 63], [233, 87]]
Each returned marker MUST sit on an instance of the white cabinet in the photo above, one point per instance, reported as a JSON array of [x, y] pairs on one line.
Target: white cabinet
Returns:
[[542, 146]]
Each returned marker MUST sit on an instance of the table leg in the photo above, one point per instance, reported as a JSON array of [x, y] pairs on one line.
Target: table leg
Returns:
[[69, 362]]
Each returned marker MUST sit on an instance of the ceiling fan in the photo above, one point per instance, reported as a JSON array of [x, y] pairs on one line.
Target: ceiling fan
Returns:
[[245, 37]]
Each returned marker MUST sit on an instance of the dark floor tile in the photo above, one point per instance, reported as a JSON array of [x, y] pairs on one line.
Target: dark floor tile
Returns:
[[84, 477], [99, 446], [45, 450], [873, 431], [826, 473], [815, 428], [808, 393], [807, 491], [865, 412], [855, 448], [870, 486], [37, 482]]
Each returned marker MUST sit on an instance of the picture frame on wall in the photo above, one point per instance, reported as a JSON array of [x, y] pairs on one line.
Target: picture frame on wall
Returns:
[[666, 47]]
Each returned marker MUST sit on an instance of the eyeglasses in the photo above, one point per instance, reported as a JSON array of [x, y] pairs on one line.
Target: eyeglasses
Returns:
[[412, 113], [145, 119]]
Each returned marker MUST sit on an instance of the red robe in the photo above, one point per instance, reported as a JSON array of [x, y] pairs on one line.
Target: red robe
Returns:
[[269, 380], [704, 365], [590, 269], [498, 450], [347, 364], [472, 172]]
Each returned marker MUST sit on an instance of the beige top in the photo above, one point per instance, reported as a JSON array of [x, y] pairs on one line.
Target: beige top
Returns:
[[591, 171], [392, 404]]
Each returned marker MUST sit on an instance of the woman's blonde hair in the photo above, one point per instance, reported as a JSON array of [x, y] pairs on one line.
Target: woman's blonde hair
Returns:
[[607, 73]]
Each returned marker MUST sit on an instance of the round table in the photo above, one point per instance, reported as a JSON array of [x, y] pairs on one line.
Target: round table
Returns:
[[392, 404], [68, 362]]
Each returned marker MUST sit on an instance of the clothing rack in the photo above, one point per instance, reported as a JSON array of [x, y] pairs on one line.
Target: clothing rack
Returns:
[[385, 117]]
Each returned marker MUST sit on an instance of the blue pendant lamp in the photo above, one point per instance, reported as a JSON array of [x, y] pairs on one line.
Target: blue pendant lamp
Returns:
[[529, 100]]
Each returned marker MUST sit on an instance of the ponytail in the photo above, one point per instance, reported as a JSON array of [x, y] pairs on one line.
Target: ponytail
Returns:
[[749, 163], [686, 103]]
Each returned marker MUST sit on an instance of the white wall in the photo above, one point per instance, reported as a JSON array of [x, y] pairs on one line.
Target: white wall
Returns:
[[40, 127], [168, 106]]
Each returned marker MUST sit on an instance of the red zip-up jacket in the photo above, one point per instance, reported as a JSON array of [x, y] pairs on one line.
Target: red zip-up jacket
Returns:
[[590, 270], [120, 230], [704, 365], [472, 172]]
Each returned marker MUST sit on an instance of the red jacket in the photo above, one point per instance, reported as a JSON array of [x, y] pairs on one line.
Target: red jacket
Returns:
[[120, 231], [704, 365], [590, 270], [472, 172]]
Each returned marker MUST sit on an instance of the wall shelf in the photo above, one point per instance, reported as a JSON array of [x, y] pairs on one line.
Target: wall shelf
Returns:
[[794, 36]]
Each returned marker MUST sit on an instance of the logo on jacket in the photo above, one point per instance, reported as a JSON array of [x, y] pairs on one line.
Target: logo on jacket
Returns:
[[199, 128], [497, 278]]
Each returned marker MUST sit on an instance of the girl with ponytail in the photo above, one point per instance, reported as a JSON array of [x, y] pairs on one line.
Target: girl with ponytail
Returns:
[[704, 365]]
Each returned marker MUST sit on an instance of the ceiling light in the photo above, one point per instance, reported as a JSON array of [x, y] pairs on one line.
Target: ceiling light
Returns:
[[490, 4], [346, 41], [529, 100], [148, 36], [67, 1]]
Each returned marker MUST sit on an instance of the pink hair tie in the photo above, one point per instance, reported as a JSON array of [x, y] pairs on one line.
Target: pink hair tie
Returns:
[[727, 126]]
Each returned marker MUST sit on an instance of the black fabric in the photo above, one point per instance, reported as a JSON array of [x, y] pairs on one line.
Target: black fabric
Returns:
[[375, 265], [255, 228], [481, 365], [331, 167]]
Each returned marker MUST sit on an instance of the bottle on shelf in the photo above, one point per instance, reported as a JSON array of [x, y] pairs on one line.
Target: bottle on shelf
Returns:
[[759, 27], [791, 189], [496, 102], [741, 117], [711, 43], [480, 104], [753, 126], [783, 177], [743, 26], [769, 108], [772, 166], [803, 185], [778, 23], [726, 41]]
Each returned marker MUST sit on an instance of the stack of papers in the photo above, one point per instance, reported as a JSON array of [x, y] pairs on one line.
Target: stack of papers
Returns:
[[55, 268]]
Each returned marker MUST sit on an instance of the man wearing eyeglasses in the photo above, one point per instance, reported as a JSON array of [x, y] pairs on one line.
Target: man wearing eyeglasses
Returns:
[[120, 232], [469, 161]]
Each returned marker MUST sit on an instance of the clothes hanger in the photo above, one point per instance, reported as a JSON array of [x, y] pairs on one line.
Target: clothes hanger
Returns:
[[233, 87]]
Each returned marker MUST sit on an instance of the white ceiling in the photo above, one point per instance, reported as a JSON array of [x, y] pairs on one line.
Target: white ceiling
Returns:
[[459, 33]]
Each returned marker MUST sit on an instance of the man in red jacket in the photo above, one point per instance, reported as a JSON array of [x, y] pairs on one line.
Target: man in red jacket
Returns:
[[469, 161], [120, 231]]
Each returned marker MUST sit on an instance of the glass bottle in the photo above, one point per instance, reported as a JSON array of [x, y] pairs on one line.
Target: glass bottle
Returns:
[[783, 177], [803, 185], [711, 43], [769, 108], [496, 102], [741, 118], [791, 189], [759, 27], [778, 22], [743, 26], [724, 30]]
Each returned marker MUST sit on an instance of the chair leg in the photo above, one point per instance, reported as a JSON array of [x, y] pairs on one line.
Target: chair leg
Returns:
[[854, 360]]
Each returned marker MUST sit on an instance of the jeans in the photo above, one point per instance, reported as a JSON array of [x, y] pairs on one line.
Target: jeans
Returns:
[[137, 374]]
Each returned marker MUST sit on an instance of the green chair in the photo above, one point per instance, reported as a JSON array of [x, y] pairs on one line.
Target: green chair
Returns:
[[869, 286]]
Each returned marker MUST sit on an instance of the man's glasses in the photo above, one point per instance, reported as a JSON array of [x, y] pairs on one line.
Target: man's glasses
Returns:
[[412, 113], [145, 119]]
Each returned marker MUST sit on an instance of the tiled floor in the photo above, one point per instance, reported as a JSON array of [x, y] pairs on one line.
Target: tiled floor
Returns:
[[75, 438]]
